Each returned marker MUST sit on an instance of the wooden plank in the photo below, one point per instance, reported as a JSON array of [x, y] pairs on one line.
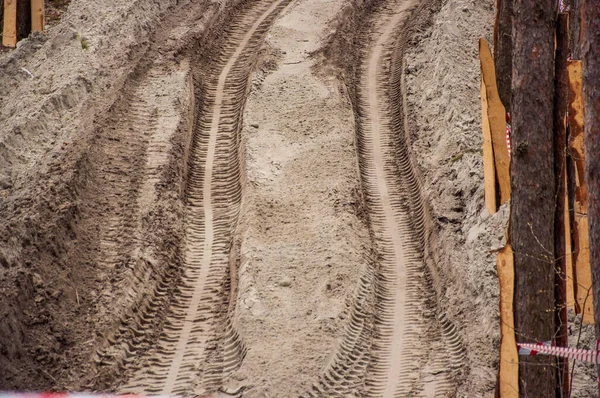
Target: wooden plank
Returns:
[[581, 244], [496, 114], [489, 171], [37, 15], [508, 385], [569, 272], [590, 44], [9, 33]]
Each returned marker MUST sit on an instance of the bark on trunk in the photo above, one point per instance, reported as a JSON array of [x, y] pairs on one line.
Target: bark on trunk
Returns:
[[590, 55], [574, 27], [533, 188], [23, 19], [560, 146], [503, 50]]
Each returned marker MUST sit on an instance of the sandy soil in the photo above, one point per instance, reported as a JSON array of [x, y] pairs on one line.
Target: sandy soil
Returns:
[[302, 243], [104, 157], [74, 137], [446, 144]]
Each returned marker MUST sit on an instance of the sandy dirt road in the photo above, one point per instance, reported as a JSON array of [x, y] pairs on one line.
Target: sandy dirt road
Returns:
[[286, 258], [303, 242], [302, 265]]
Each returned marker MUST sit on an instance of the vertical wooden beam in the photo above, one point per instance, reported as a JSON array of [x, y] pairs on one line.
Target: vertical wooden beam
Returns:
[[37, 15], [569, 272], [561, 90], [489, 170], [9, 32], [590, 55], [533, 188], [581, 245], [497, 121], [508, 379]]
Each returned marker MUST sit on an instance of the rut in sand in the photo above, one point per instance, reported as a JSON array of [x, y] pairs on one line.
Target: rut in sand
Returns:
[[412, 350], [198, 346]]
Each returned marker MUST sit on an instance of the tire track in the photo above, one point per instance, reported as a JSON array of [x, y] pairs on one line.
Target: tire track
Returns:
[[199, 346], [409, 357], [141, 284], [412, 349]]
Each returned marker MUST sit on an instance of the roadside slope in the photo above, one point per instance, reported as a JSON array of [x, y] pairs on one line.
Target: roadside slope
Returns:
[[442, 78]]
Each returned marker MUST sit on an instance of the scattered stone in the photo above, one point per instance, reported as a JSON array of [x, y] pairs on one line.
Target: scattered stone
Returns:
[[285, 282]]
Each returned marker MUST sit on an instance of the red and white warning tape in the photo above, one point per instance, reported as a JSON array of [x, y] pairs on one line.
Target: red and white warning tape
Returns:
[[7, 394], [508, 131], [563, 352]]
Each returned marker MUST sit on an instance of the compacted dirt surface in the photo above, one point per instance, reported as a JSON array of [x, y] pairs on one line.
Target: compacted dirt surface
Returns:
[[265, 198]]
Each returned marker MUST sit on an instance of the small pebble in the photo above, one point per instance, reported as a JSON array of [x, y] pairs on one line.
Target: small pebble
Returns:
[[285, 282]]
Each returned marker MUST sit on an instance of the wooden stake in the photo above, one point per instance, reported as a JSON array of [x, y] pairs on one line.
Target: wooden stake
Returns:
[[508, 386], [569, 272], [489, 171], [581, 243], [9, 33], [37, 15], [496, 115]]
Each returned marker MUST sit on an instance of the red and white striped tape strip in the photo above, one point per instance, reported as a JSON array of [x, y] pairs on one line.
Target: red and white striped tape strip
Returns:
[[508, 131], [563, 352], [6, 394]]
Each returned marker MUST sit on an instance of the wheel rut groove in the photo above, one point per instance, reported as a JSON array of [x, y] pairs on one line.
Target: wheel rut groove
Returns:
[[397, 343], [198, 345], [137, 281]]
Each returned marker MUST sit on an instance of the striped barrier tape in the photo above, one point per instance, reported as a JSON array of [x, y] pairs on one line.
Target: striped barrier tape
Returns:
[[7, 394], [563, 352], [508, 131]]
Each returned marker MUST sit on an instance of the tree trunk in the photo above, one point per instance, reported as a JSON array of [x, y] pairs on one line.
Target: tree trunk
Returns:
[[533, 188], [561, 86], [590, 55], [574, 27], [503, 50], [23, 19]]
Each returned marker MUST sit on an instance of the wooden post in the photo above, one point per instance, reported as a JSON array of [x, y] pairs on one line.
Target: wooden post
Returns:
[[508, 373], [37, 15], [497, 121], [9, 32], [533, 188], [581, 242], [489, 170], [561, 88], [590, 55]]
